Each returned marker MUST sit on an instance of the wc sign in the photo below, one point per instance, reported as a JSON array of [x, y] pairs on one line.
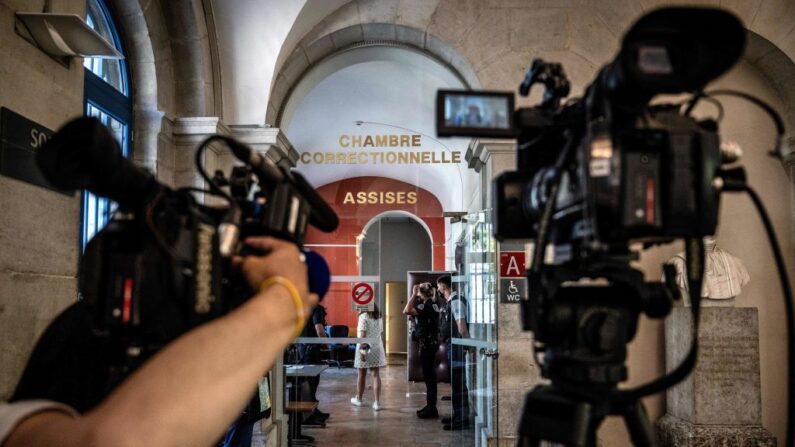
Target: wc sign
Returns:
[[513, 284]]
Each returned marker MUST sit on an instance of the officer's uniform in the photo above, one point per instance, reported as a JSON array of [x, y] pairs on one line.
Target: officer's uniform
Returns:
[[427, 334], [456, 309]]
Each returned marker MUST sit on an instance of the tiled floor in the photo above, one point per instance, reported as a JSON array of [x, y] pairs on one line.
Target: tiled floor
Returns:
[[395, 425]]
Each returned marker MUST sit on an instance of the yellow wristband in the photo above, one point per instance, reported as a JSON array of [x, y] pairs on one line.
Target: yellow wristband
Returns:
[[299, 304]]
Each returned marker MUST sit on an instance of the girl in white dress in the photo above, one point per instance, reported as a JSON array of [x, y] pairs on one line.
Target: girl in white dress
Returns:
[[369, 355]]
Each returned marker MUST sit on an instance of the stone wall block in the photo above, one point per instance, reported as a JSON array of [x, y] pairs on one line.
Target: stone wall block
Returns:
[[529, 3], [518, 369], [505, 70], [377, 11], [347, 15], [347, 36], [379, 31], [295, 65], [538, 29], [774, 20], [27, 305], [756, 47], [744, 9], [38, 229], [270, 116], [439, 48], [184, 19], [319, 48], [190, 96], [617, 15], [590, 38], [489, 38], [410, 35], [453, 19], [774, 63], [416, 13], [787, 44], [511, 402], [280, 89]]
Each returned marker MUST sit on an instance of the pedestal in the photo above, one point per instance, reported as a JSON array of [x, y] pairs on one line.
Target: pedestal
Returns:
[[720, 403]]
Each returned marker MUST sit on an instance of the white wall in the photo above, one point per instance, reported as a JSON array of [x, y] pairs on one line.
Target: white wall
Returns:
[[393, 90], [38, 227], [250, 35]]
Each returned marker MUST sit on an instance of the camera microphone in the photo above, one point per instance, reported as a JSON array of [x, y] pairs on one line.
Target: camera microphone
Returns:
[[322, 215], [83, 154], [319, 273]]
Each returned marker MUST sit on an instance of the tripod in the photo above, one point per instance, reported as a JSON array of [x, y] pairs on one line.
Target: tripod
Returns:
[[550, 417], [584, 331]]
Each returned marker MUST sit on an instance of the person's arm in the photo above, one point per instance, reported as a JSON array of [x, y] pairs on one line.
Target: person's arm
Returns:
[[409, 309], [320, 329], [462, 327], [190, 392], [459, 314]]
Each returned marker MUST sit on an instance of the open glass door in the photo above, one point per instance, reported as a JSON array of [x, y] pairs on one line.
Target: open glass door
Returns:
[[476, 284]]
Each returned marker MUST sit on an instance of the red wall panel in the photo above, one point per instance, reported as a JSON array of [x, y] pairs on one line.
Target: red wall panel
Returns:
[[357, 201]]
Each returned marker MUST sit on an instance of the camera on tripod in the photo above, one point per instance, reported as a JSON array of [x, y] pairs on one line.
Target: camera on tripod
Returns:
[[595, 175]]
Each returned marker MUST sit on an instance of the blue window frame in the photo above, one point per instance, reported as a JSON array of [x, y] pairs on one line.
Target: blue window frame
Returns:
[[106, 97]]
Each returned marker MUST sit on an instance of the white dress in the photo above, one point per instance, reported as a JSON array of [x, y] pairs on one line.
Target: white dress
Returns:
[[373, 329]]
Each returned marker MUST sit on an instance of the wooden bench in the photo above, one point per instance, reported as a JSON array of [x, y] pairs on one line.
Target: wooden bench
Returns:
[[294, 411], [300, 407]]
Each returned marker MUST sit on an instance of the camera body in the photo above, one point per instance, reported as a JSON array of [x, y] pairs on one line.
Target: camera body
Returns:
[[162, 264], [595, 175], [651, 183]]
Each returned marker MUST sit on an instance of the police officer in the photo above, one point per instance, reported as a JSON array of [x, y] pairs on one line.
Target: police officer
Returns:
[[454, 325], [424, 307]]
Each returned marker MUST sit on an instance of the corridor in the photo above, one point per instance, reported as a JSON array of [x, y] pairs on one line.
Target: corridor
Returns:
[[395, 425]]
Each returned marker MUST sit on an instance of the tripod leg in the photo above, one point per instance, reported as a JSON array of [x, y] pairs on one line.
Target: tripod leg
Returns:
[[638, 425]]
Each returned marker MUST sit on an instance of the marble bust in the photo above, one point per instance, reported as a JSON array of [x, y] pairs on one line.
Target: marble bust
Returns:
[[724, 276]]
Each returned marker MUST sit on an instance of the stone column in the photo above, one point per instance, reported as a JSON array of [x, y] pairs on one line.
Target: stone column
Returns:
[[267, 140], [517, 371], [188, 133], [720, 403], [272, 142]]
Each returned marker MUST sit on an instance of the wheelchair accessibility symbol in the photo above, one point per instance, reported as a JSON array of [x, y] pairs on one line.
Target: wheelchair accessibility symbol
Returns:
[[512, 290]]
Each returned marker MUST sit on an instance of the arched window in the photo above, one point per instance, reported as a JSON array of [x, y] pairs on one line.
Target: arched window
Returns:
[[106, 97]]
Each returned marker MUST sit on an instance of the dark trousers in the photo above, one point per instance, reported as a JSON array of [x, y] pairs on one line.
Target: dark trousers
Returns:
[[310, 355], [427, 360], [460, 394]]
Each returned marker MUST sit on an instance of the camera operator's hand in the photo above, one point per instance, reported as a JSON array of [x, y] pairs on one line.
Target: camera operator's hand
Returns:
[[280, 258], [189, 392]]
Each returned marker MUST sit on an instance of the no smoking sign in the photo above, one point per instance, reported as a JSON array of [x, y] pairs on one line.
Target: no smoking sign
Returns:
[[362, 296]]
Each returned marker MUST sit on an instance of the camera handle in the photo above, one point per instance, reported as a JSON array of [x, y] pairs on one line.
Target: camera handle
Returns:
[[556, 84]]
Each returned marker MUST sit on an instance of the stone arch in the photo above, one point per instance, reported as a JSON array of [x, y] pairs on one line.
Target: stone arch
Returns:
[[492, 43], [309, 53], [144, 80]]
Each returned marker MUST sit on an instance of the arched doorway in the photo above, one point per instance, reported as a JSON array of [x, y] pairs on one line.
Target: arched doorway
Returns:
[[394, 243]]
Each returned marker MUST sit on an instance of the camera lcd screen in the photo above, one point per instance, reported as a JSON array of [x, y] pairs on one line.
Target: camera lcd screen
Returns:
[[474, 114]]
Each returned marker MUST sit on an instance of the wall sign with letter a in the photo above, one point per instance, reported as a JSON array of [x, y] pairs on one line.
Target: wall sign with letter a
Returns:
[[513, 283], [512, 264]]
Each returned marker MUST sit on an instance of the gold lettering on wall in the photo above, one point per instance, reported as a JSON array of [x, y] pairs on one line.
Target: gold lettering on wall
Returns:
[[380, 198], [380, 149]]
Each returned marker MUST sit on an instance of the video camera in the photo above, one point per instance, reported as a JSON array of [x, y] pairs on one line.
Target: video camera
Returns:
[[161, 265], [595, 175]]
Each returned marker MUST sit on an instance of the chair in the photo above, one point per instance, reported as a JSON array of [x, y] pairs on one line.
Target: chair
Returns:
[[341, 354]]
